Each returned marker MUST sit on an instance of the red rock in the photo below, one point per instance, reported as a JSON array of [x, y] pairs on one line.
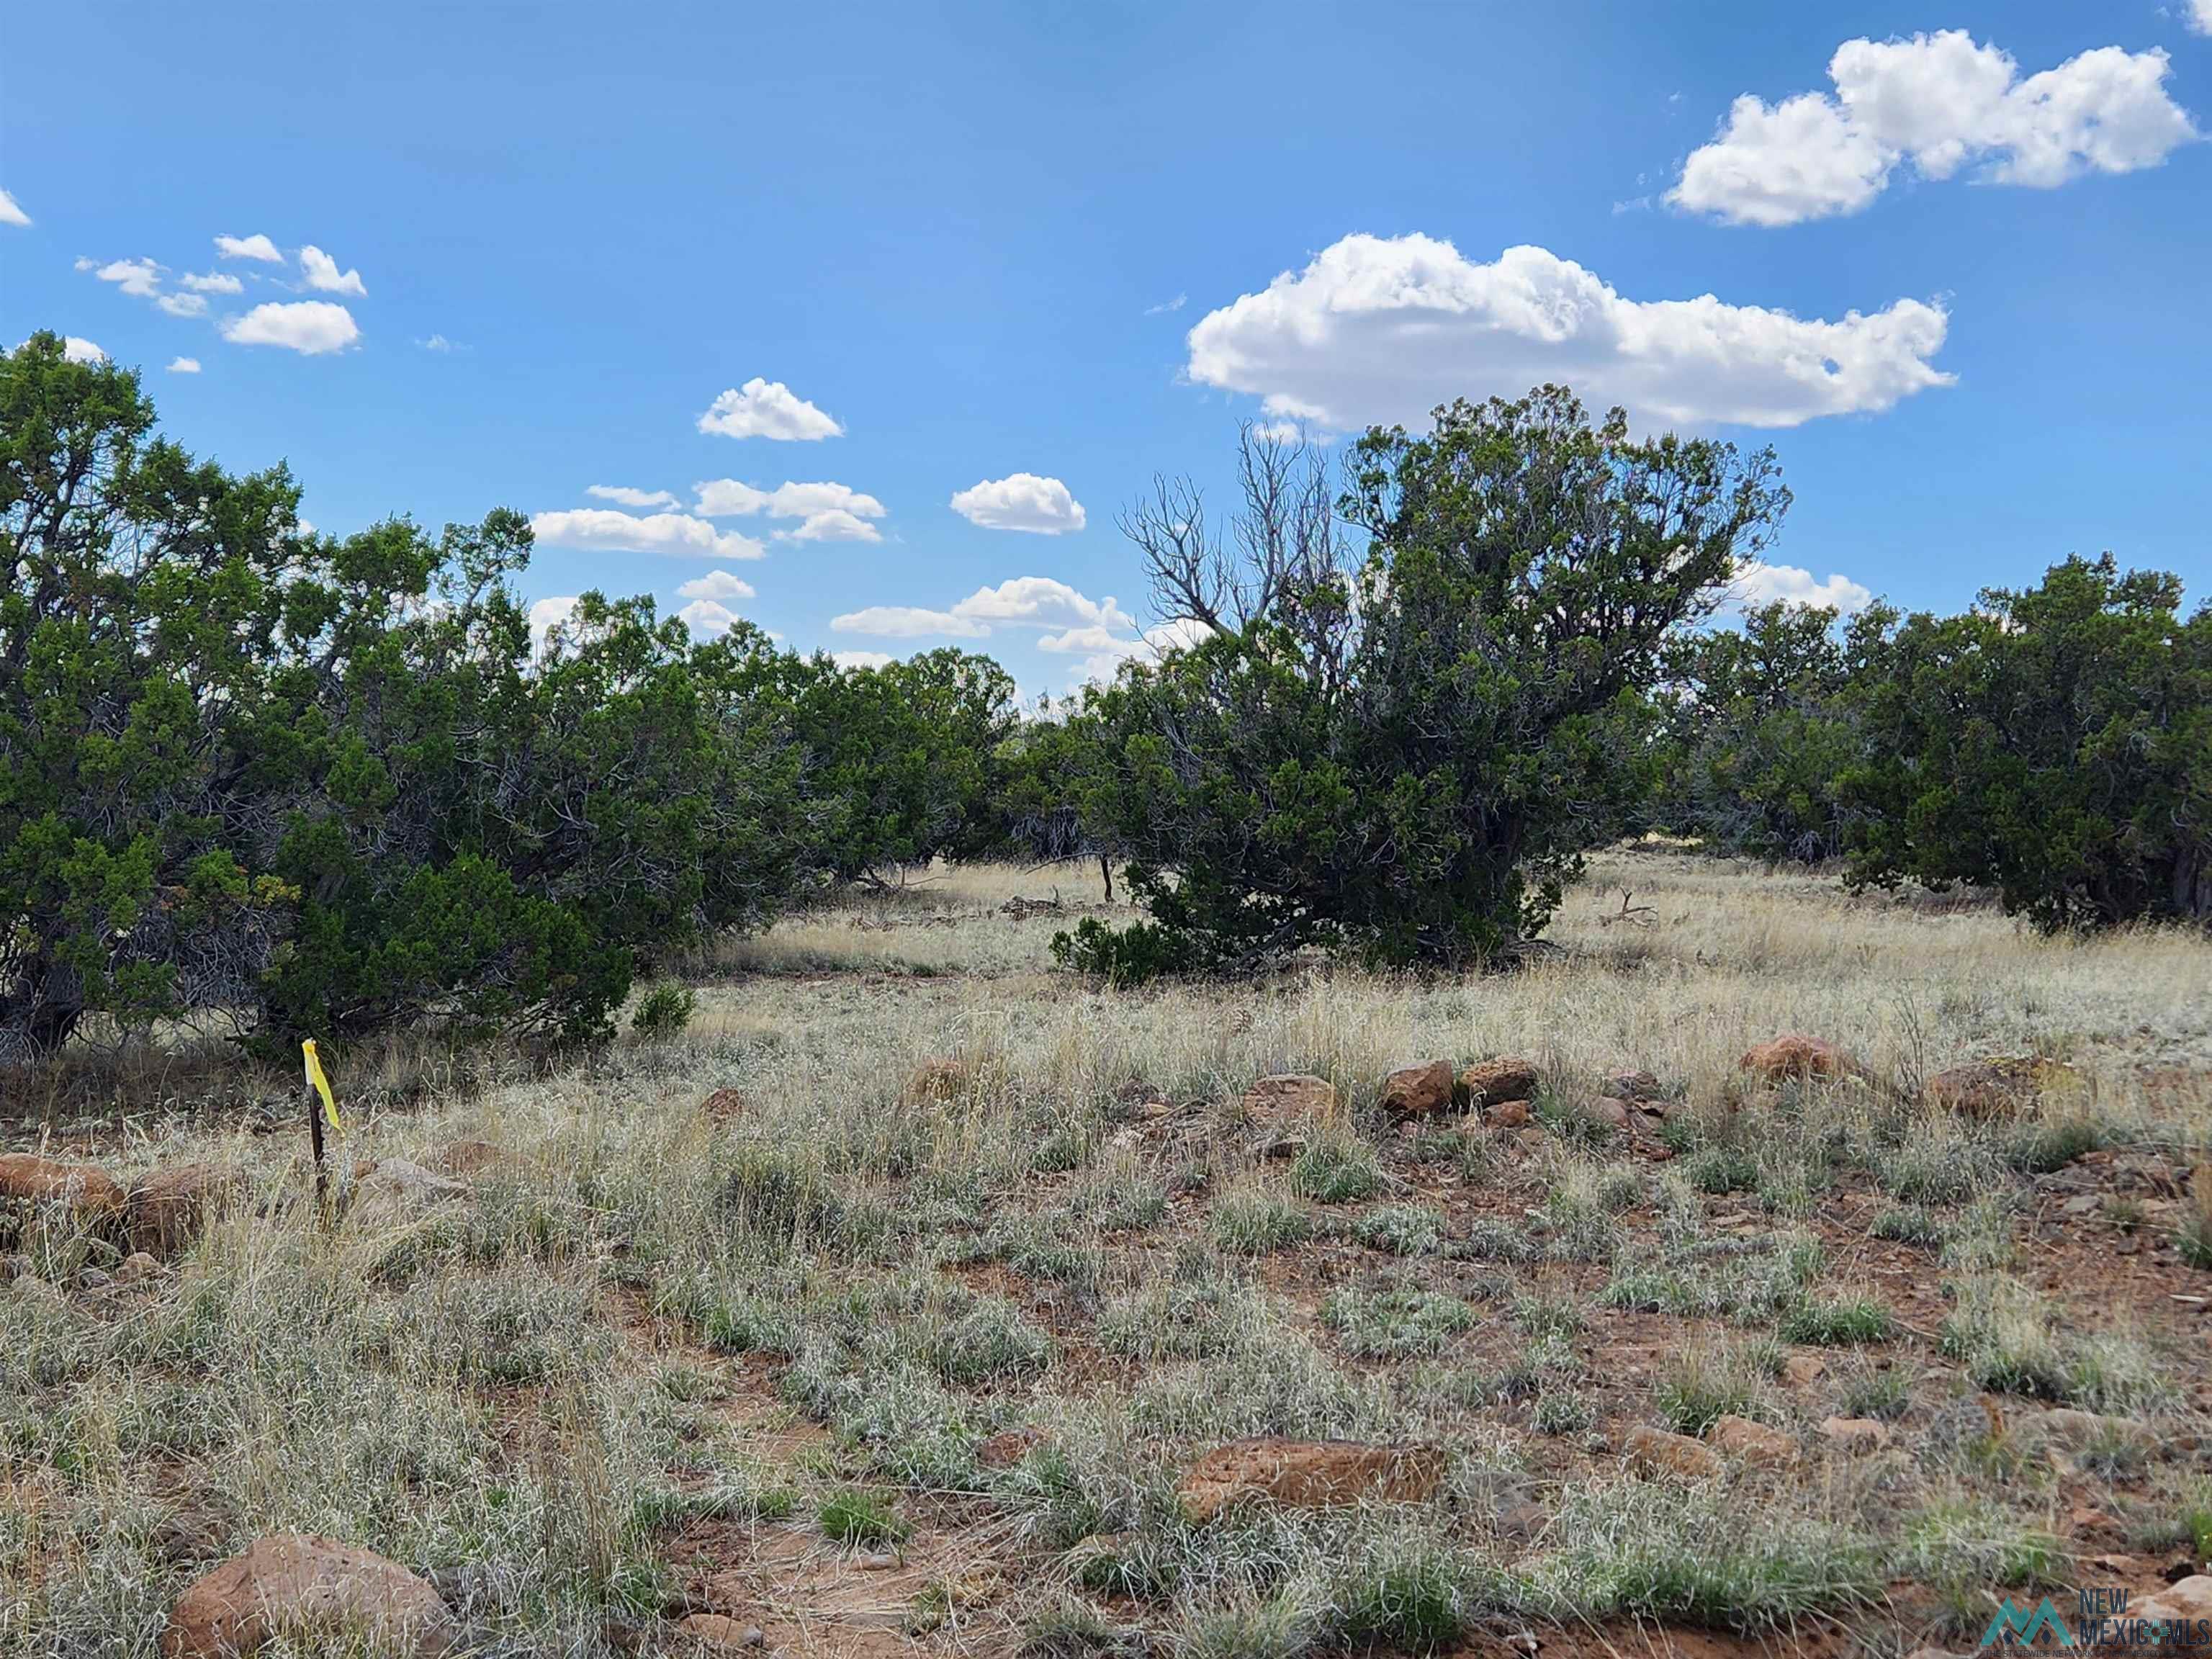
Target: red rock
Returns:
[[464, 1159], [2190, 1600], [1999, 1088], [723, 1104], [1794, 1055], [1655, 1451], [1488, 1082], [1307, 1474], [1754, 1443], [1641, 1088], [1007, 1448], [169, 1206], [1291, 1095], [1610, 1112], [1507, 1115], [938, 1079], [88, 1193], [1418, 1091], [295, 1582], [1855, 1434], [719, 1633]]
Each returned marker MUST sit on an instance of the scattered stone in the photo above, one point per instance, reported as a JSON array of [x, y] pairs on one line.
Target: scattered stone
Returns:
[[464, 1159], [1610, 1112], [1656, 1451], [94, 1278], [723, 1105], [395, 1185], [169, 1207], [137, 1266], [296, 1583], [719, 1633], [938, 1079], [1640, 1087], [1507, 1115], [88, 1192], [1997, 1088], [1794, 1055], [1524, 1522], [1491, 1082], [1419, 1091], [1291, 1095], [180, 1540], [1307, 1474], [1754, 1443], [877, 1561], [2189, 1599], [1856, 1434], [1799, 1369], [1007, 1448]]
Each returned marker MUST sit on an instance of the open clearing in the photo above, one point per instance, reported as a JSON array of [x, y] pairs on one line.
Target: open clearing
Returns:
[[885, 1308]]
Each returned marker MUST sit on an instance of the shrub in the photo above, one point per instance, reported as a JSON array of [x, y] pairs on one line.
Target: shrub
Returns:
[[1402, 754], [1335, 1167], [663, 1010], [853, 1517], [1700, 1385], [1838, 1323], [1252, 1220], [1394, 1323]]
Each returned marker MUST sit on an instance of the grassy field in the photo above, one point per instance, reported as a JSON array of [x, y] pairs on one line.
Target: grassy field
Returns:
[[905, 1339]]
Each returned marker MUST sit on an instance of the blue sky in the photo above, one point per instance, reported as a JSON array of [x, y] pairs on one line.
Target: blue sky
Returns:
[[1022, 256]]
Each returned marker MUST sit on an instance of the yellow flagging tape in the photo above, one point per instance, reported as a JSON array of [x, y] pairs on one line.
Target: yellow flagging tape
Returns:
[[321, 1086]]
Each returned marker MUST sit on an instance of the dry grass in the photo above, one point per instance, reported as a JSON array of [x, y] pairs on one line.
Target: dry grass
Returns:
[[656, 1359]]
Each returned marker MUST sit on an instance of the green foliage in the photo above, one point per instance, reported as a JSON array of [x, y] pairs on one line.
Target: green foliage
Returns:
[[663, 1010], [1124, 957], [904, 761], [1752, 733], [1402, 756], [332, 783], [2053, 743], [853, 1517]]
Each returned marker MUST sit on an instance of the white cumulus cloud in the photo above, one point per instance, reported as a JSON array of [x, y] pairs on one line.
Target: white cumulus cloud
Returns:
[[1041, 601], [1103, 650], [184, 366], [627, 496], [1383, 329], [767, 409], [183, 305], [1942, 103], [248, 247], [2199, 21], [323, 276], [308, 326], [862, 659], [78, 350], [826, 512], [906, 621], [716, 585], [546, 615], [1021, 500], [218, 282], [139, 278], [603, 530], [707, 619], [1760, 585], [9, 213]]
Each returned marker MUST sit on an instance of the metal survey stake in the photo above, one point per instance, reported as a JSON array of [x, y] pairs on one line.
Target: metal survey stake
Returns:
[[320, 1106]]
